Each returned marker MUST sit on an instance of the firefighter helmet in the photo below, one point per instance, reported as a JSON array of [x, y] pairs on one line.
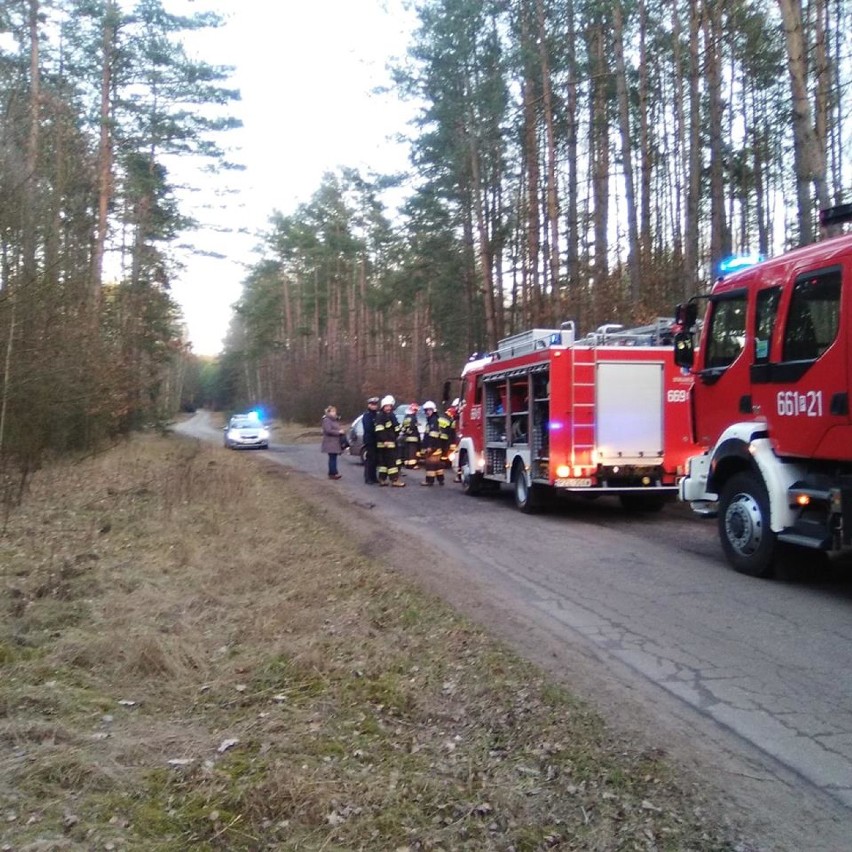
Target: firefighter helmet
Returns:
[[452, 411], [429, 404], [388, 400]]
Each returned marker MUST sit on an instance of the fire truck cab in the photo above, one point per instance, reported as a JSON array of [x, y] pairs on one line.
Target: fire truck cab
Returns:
[[771, 403], [605, 414]]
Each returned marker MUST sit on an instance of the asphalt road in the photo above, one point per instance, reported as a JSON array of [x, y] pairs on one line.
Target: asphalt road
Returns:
[[641, 611]]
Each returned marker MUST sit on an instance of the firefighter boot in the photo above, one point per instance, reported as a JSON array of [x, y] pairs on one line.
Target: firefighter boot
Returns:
[[398, 483], [427, 481], [440, 480]]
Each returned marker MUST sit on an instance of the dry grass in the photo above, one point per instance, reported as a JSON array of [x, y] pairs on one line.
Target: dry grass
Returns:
[[191, 657]]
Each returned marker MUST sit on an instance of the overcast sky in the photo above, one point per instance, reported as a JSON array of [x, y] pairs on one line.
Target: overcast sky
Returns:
[[306, 70]]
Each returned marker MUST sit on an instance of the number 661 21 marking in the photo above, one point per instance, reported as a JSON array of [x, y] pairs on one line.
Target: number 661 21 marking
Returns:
[[796, 404]]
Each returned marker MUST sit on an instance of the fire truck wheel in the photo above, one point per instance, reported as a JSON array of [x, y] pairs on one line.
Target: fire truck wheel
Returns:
[[528, 498], [471, 482], [747, 539]]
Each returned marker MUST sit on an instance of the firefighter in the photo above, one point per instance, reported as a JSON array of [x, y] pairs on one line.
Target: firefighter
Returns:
[[447, 425], [410, 438], [435, 444], [387, 432], [452, 415]]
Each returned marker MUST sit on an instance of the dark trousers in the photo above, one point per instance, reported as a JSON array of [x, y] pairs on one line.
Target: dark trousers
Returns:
[[410, 451], [434, 463], [370, 475]]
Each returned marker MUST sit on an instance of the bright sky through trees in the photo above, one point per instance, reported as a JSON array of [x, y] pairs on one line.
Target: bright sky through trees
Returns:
[[306, 72]]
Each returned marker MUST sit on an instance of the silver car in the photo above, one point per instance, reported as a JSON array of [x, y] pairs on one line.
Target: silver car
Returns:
[[355, 438], [245, 430]]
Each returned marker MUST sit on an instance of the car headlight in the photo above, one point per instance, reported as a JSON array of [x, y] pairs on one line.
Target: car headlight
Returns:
[[233, 435], [264, 434]]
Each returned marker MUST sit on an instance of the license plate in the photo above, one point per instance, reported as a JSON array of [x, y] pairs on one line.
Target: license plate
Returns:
[[573, 483]]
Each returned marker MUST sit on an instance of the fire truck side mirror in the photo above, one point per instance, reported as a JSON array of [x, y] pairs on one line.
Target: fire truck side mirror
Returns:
[[686, 314], [684, 349]]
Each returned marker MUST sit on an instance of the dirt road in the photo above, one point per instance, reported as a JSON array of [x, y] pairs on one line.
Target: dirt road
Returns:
[[744, 683]]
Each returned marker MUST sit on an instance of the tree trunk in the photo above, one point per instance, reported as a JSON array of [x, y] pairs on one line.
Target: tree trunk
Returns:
[[626, 155], [809, 158], [645, 152], [533, 288], [483, 241], [720, 239], [694, 163], [822, 100], [599, 147], [28, 236], [552, 189], [572, 229], [680, 161], [104, 162]]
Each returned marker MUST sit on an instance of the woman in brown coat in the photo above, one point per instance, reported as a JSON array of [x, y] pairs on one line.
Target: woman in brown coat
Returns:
[[331, 433]]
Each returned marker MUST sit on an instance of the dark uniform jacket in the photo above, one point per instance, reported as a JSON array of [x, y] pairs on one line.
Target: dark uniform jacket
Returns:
[[369, 423], [386, 430], [432, 436], [446, 433], [410, 432]]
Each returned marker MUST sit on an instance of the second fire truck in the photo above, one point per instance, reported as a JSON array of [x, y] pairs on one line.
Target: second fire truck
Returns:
[[771, 400], [604, 414]]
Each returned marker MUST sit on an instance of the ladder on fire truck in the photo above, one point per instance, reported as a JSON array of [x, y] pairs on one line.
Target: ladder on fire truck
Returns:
[[583, 373], [584, 376]]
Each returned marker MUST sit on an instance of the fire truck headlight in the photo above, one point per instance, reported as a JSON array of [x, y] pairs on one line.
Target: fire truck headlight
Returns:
[[480, 465], [563, 471]]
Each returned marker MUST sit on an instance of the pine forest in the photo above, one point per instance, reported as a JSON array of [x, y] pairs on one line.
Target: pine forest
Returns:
[[97, 100], [571, 159]]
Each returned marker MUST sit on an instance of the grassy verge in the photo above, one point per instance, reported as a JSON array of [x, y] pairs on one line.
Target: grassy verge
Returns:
[[191, 657]]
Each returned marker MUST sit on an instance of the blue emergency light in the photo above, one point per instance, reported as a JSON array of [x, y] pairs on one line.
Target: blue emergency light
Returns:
[[737, 263]]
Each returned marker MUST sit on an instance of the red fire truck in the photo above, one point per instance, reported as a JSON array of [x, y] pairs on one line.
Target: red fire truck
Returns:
[[772, 369], [605, 414]]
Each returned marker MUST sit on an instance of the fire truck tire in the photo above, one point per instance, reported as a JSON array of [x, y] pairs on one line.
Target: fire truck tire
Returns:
[[471, 482], [747, 539], [528, 498]]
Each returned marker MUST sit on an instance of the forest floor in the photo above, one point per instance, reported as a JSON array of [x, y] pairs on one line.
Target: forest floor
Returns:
[[195, 656]]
